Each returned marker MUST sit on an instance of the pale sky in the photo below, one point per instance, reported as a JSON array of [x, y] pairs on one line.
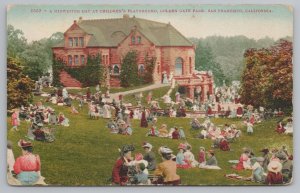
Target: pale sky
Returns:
[[190, 20]]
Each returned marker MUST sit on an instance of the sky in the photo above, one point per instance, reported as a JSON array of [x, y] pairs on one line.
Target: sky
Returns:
[[200, 21]]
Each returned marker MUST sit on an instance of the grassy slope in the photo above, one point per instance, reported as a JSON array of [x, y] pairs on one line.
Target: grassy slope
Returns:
[[85, 152]]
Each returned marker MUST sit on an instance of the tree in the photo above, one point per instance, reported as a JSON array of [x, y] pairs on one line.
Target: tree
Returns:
[[267, 79], [19, 86], [205, 61], [16, 42], [147, 76], [129, 70]]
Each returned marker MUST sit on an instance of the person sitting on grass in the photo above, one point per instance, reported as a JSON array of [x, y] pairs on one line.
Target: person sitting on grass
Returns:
[[149, 156], [128, 130], [167, 168], [120, 169], [189, 156], [141, 177], [211, 162], [280, 128], [274, 175], [244, 161], [201, 156], [176, 134], [27, 166], [73, 110], [163, 131], [258, 174], [153, 132], [62, 120], [180, 159]]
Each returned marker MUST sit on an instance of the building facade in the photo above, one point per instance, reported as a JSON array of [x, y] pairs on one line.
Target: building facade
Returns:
[[114, 38]]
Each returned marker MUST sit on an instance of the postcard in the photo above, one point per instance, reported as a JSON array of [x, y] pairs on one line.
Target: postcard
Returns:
[[149, 95]]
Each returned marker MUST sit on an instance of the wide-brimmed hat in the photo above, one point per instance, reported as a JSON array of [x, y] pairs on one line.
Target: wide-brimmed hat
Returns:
[[147, 145], [165, 150], [201, 147], [281, 155], [182, 146], [22, 143], [126, 148], [275, 166]]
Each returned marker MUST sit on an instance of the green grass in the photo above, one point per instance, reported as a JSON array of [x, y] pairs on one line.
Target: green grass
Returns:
[[85, 152]]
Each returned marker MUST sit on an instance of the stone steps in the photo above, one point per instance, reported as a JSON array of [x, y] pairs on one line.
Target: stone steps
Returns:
[[68, 81]]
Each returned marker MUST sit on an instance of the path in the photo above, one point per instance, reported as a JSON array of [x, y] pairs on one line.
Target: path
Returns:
[[146, 88]]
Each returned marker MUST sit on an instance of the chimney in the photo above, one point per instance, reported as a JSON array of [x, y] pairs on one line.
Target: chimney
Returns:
[[125, 16], [80, 19], [75, 22]]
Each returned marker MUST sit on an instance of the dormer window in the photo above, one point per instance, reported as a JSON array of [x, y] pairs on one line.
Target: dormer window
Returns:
[[132, 40], [70, 42], [139, 39]]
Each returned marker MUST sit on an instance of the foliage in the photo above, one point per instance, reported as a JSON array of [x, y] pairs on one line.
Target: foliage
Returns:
[[89, 74], [19, 86], [229, 51], [16, 42], [267, 79], [129, 71], [147, 76], [35, 56], [205, 61]]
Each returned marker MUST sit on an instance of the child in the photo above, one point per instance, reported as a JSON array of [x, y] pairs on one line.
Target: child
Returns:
[[176, 134], [249, 128], [141, 177], [201, 157]]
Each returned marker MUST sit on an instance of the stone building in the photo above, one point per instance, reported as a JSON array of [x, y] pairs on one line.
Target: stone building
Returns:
[[114, 38]]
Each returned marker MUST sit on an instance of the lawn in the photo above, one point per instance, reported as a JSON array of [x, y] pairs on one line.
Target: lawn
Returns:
[[84, 153]]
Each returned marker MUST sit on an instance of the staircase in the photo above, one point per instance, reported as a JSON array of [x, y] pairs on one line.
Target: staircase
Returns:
[[68, 81]]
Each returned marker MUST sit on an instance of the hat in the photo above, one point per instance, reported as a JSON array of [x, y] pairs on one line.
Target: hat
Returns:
[[260, 159], [148, 145], [40, 124], [275, 166], [203, 148], [182, 146], [281, 155], [22, 143], [165, 150], [265, 150], [126, 148]]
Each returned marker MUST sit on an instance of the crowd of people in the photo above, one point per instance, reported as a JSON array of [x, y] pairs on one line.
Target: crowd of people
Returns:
[[274, 167]]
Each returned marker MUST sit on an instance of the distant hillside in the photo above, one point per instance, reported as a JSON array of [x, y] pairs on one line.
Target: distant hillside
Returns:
[[228, 52]]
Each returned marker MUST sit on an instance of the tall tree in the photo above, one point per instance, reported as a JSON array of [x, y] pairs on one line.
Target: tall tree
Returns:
[[129, 70], [16, 42], [205, 60], [267, 79], [19, 86]]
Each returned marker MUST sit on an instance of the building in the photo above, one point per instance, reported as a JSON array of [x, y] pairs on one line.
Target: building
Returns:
[[114, 38]]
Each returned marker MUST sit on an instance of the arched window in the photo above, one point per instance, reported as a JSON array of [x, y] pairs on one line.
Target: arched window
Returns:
[[178, 66], [132, 40], [116, 69], [141, 68]]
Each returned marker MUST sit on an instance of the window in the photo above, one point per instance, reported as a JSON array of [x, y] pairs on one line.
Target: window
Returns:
[[106, 59], [132, 40], [116, 69], [70, 60], [76, 58], [178, 66], [139, 39], [82, 59], [76, 42], [141, 68], [70, 42], [81, 41]]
